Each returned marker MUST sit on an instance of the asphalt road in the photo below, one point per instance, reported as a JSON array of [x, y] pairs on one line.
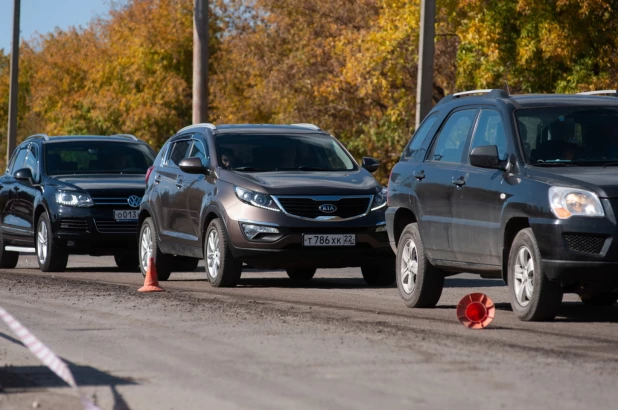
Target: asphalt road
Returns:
[[270, 343]]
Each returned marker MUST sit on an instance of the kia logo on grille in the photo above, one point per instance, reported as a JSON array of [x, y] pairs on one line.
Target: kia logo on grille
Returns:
[[134, 201], [328, 208]]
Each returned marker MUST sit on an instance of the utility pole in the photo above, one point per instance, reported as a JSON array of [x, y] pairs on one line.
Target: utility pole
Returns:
[[200, 61], [12, 131], [426, 51]]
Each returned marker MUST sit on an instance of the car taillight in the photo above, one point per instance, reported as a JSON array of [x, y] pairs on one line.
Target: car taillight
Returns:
[[149, 172]]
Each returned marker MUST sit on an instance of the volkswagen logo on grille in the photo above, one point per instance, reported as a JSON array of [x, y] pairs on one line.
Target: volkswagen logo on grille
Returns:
[[328, 208], [134, 201]]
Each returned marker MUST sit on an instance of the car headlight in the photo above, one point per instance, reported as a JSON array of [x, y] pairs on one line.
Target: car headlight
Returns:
[[379, 200], [67, 198], [567, 202], [256, 199]]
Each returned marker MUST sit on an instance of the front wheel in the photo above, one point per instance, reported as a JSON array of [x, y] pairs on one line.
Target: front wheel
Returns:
[[383, 274], [222, 269], [533, 296], [419, 282], [148, 248], [599, 299], [300, 273], [50, 256]]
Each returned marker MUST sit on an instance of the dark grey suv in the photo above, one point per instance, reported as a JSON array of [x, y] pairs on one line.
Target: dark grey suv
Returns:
[[269, 196]]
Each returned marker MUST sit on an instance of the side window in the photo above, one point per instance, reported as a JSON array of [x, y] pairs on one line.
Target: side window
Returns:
[[418, 137], [198, 151], [32, 162], [18, 163], [451, 141], [178, 152], [490, 131]]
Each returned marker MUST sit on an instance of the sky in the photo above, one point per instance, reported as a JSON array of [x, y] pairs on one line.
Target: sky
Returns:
[[44, 16]]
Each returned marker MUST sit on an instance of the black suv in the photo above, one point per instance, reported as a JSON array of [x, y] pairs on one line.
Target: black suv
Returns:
[[270, 196], [518, 187], [73, 195]]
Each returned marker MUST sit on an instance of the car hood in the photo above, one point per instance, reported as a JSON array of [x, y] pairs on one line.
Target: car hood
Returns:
[[358, 182], [109, 186], [603, 181]]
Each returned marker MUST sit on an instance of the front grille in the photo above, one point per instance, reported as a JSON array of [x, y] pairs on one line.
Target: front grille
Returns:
[[111, 226], [585, 243], [331, 230], [111, 201], [308, 207], [74, 224]]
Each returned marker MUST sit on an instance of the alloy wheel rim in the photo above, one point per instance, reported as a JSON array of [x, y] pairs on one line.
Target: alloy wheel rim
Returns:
[[409, 266], [213, 256], [524, 277], [146, 247], [42, 242]]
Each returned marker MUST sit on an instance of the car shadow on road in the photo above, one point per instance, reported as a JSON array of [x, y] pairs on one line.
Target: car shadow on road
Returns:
[[316, 283], [472, 283]]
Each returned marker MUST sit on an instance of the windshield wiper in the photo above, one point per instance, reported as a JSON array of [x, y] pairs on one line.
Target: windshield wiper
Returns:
[[611, 164], [553, 164], [248, 169], [302, 168]]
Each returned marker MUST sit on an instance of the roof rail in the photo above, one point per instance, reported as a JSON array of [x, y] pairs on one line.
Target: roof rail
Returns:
[[44, 136], [307, 125], [204, 124], [133, 137], [492, 93], [600, 92]]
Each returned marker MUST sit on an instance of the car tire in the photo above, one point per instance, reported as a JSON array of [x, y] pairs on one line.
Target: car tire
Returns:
[[148, 247], [383, 274], [50, 256], [599, 299], [8, 259], [127, 262], [185, 264], [423, 288], [301, 273], [222, 269], [533, 296]]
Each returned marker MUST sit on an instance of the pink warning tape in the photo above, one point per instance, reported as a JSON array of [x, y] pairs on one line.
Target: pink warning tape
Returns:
[[45, 355]]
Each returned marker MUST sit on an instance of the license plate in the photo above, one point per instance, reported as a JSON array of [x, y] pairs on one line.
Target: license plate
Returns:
[[126, 215], [329, 240]]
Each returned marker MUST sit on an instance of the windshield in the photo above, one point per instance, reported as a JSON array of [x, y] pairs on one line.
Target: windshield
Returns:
[[262, 153], [569, 135], [97, 157]]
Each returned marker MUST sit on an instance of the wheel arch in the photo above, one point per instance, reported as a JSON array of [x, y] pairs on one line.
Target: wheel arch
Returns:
[[512, 228], [403, 217]]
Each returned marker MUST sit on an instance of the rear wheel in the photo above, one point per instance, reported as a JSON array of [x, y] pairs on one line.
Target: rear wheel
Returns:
[[301, 273], [127, 262], [50, 256], [148, 248], [419, 282], [380, 275], [222, 269], [533, 296], [599, 299], [8, 259]]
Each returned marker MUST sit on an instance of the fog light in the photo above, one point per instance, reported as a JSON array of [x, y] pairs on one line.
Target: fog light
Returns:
[[381, 228], [251, 230], [70, 244]]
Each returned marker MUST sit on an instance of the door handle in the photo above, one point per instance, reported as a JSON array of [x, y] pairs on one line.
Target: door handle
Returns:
[[459, 181], [420, 175]]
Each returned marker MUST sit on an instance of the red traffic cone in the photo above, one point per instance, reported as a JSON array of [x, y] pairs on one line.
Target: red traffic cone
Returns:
[[151, 283], [476, 311]]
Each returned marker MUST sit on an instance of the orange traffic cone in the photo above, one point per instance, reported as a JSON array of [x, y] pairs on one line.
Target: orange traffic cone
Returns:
[[151, 283], [476, 311]]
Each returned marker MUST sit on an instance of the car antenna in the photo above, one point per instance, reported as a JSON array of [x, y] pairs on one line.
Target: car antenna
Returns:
[[508, 90]]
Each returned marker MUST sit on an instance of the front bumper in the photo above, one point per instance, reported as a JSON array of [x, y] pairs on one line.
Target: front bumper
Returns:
[[286, 250], [578, 249]]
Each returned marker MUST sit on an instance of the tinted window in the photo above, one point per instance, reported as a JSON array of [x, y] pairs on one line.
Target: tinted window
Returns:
[[419, 136], [452, 138], [198, 151], [490, 131], [98, 157], [20, 158], [32, 162], [255, 153], [569, 134], [178, 152]]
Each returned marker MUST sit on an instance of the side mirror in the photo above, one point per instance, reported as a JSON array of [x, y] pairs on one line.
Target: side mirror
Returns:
[[485, 157], [193, 166], [370, 164], [23, 174]]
